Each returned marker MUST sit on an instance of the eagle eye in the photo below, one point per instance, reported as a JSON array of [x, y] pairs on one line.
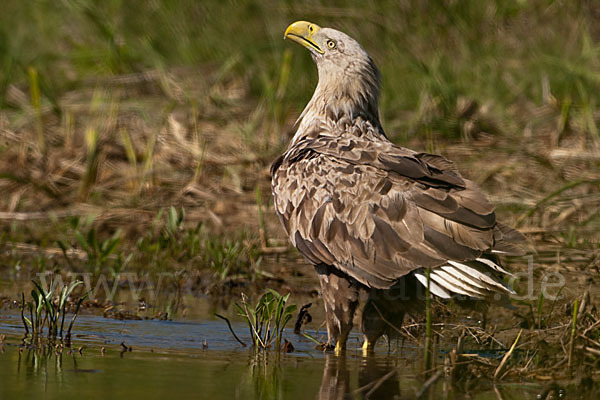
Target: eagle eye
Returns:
[[331, 44]]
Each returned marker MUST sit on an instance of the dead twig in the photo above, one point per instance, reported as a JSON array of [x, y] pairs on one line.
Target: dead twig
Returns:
[[303, 318], [591, 327], [231, 329], [428, 383], [592, 350], [402, 333], [374, 385]]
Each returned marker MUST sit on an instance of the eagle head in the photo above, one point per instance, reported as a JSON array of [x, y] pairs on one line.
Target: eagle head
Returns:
[[348, 77]]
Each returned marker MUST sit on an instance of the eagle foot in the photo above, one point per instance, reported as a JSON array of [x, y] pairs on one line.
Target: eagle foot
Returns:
[[367, 347]]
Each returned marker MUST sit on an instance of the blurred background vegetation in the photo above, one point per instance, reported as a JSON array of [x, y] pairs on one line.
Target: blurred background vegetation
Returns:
[[497, 52], [122, 109]]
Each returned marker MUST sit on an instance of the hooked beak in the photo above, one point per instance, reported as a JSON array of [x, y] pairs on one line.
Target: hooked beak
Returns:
[[303, 32]]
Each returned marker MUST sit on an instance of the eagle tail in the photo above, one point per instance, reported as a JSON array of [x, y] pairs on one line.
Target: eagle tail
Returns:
[[477, 279]]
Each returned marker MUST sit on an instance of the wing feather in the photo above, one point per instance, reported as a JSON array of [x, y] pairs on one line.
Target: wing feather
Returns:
[[377, 212]]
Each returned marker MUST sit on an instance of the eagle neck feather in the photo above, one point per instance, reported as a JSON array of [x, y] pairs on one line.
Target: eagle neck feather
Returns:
[[349, 94]]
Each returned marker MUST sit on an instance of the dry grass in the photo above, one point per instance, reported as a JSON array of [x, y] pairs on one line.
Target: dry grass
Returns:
[[123, 152]]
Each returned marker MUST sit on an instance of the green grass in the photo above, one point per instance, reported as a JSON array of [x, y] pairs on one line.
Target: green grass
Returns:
[[171, 245], [432, 54], [174, 246]]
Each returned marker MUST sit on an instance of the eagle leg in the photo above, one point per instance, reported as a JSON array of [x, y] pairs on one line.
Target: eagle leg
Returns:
[[384, 311], [376, 318], [340, 297]]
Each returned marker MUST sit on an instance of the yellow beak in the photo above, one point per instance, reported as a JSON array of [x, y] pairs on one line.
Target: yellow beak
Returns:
[[303, 32]]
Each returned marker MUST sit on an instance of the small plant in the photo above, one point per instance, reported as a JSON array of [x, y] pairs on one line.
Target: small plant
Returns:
[[537, 319], [223, 256], [171, 242], [267, 319], [97, 251], [45, 312], [174, 222]]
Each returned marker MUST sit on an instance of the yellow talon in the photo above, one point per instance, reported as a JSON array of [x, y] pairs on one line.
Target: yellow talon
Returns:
[[339, 348], [367, 347]]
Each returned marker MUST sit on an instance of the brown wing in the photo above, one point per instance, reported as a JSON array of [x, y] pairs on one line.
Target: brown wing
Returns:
[[377, 211], [429, 169]]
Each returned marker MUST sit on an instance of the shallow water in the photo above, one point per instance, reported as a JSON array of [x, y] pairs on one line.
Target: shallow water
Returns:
[[169, 360]]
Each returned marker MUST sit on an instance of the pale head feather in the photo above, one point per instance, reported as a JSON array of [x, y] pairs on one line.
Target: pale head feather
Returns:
[[348, 82]]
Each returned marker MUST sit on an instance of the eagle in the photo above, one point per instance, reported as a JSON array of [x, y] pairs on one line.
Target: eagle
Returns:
[[371, 215]]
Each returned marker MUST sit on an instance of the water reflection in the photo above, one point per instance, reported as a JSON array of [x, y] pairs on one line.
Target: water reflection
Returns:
[[27, 372], [376, 379], [336, 379], [44, 359], [268, 375], [266, 371], [342, 377], [38, 360]]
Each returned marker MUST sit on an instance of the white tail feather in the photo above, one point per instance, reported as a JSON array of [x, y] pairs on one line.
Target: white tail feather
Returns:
[[451, 283], [474, 278], [463, 277], [481, 276], [493, 265], [433, 287]]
